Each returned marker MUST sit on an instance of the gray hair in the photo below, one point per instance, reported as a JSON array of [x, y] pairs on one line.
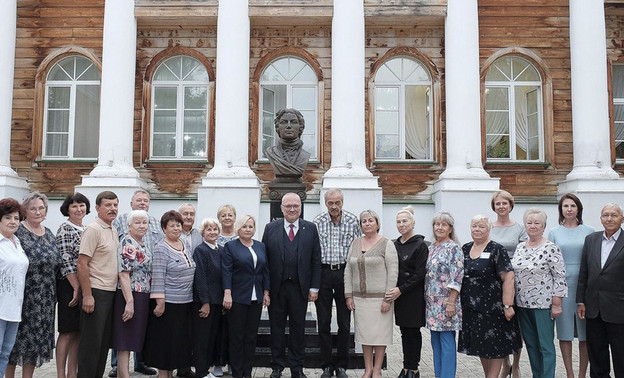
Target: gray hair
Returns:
[[185, 204], [35, 196], [141, 191], [209, 222], [447, 218], [481, 219], [611, 205], [333, 191], [535, 211], [241, 222], [134, 214]]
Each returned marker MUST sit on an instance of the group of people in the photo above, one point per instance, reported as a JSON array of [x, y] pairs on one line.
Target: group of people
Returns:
[[178, 296]]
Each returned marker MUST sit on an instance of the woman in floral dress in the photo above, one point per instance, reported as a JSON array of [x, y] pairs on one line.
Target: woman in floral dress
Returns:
[[445, 270], [34, 344], [131, 306]]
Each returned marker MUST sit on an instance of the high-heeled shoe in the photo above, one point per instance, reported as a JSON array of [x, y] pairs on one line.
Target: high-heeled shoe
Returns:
[[412, 374]]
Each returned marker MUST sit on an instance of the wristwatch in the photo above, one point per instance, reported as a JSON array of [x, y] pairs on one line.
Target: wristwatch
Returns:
[[507, 306]]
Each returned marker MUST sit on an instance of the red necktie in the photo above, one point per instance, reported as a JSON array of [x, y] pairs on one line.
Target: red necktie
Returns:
[[291, 233]]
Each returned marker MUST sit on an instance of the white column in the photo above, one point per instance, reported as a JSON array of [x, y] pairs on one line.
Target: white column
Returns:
[[348, 153], [592, 177], [463, 106], [11, 185], [590, 101], [464, 188], [115, 169], [231, 180]]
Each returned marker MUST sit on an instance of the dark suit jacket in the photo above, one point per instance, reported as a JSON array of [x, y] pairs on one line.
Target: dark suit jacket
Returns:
[[239, 274], [602, 290], [409, 308], [308, 259], [207, 286]]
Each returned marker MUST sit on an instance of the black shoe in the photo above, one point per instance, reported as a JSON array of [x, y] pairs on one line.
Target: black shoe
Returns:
[[402, 375], [341, 373], [276, 373], [327, 372], [113, 372], [142, 369], [412, 374], [298, 374], [188, 373]]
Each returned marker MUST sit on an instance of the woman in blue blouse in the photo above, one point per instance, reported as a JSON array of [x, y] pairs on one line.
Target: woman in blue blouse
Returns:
[[570, 236], [245, 290]]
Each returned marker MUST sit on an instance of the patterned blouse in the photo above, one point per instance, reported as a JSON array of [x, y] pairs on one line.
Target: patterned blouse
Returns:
[[68, 244], [539, 275], [445, 271], [173, 273], [137, 259]]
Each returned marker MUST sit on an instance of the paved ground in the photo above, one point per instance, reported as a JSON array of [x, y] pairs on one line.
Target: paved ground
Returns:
[[467, 367]]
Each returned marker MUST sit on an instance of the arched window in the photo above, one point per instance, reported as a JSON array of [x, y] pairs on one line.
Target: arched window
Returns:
[[513, 111], [402, 104], [179, 110], [72, 110], [618, 109], [288, 82]]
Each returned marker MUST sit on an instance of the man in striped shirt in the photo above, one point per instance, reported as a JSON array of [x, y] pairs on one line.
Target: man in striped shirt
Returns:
[[337, 229]]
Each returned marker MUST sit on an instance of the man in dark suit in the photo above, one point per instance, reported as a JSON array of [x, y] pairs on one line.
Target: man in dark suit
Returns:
[[294, 255], [600, 294]]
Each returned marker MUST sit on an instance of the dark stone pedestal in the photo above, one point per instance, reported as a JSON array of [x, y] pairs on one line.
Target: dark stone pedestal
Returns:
[[277, 191]]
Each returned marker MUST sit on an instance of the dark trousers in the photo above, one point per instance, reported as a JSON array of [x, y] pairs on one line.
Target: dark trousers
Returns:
[[205, 332], [600, 336], [288, 302], [95, 335], [222, 350], [138, 359], [243, 321], [412, 346], [332, 288]]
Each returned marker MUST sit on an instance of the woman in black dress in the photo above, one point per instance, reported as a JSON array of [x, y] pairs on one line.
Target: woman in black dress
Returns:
[[409, 307], [489, 328]]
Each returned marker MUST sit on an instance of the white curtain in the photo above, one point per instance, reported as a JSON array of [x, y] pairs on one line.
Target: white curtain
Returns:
[[417, 122], [497, 122]]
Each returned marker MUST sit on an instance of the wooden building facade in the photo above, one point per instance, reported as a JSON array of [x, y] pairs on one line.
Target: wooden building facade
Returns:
[[525, 125]]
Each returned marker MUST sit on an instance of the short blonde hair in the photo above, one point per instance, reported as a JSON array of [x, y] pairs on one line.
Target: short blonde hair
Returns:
[[535, 211], [209, 222], [241, 221], [506, 195], [409, 211], [481, 219], [227, 206]]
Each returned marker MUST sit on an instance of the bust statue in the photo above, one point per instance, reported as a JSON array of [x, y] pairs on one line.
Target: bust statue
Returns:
[[288, 158]]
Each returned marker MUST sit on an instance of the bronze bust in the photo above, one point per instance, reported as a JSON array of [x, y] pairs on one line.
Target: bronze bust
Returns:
[[288, 158]]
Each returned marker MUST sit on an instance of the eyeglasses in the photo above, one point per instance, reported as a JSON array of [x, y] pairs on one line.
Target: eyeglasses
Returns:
[[291, 207], [40, 209]]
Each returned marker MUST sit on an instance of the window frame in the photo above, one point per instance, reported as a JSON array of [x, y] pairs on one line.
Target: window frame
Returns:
[[547, 120], [256, 111], [146, 127], [615, 102], [401, 85], [40, 103], [181, 86], [290, 85]]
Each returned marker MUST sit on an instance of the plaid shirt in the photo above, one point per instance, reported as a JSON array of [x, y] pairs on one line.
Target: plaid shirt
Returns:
[[68, 243], [336, 238], [153, 235]]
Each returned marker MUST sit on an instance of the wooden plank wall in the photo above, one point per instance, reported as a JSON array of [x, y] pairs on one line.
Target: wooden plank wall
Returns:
[[542, 27], [44, 26]]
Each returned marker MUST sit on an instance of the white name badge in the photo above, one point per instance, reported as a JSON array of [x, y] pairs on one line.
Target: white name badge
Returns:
[[485, 255]]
